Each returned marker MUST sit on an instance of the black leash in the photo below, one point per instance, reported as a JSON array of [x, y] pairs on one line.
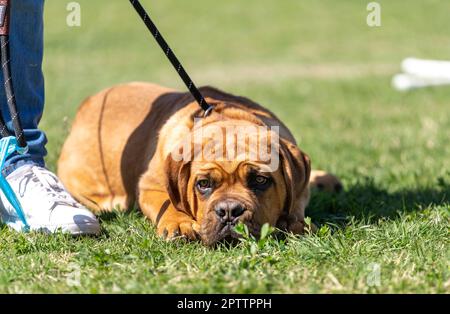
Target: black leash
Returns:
[[6, 68], [171, 56], [9, 88]]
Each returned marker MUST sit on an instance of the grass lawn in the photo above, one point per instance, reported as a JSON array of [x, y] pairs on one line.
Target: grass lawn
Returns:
[[321, 69]]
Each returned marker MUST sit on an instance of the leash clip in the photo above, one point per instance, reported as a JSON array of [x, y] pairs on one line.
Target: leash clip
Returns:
[[9, 145], [208, 111]]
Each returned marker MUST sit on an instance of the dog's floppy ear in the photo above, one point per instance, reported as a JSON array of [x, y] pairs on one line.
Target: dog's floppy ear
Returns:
[[178, 173], [296, 167]]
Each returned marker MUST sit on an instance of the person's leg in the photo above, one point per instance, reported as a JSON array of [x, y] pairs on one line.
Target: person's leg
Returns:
[[46, 203], [26, 46]]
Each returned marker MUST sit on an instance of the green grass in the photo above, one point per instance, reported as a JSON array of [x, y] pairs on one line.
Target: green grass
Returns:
[[327, 74]]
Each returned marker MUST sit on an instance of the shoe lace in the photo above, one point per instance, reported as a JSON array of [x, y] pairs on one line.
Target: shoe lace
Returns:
[[46, 182]]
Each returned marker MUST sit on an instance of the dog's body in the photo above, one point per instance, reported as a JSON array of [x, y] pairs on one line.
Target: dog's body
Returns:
[[119, 152]]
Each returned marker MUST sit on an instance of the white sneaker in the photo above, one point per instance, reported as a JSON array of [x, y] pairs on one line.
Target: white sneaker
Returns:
[[47, 205]]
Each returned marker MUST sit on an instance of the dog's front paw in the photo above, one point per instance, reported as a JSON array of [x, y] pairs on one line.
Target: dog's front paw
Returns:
[[173, 229], [324, 181]]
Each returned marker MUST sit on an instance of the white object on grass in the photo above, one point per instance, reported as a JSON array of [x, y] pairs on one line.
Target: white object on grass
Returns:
[[427, 68], [404, 82], [422, 73]]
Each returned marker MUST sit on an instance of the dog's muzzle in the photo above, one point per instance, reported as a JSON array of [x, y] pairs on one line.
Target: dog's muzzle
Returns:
[[228, 213]]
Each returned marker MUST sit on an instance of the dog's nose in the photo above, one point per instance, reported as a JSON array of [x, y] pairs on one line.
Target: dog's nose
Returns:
[[229, 210]]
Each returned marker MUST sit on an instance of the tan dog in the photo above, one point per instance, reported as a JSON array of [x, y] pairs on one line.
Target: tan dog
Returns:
[[123, 147]]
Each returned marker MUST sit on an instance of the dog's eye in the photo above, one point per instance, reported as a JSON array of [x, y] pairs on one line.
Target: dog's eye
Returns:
[[260, 180], [203, 185]]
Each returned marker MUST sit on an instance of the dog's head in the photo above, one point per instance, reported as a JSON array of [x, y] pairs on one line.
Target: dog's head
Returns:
[[243, 187]]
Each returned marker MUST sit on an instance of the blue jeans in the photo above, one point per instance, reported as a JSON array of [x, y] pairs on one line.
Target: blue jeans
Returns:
[[26, 46]]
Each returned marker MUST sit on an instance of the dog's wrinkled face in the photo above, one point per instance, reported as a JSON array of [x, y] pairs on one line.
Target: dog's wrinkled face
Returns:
[[221, 192], [226, 193]]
